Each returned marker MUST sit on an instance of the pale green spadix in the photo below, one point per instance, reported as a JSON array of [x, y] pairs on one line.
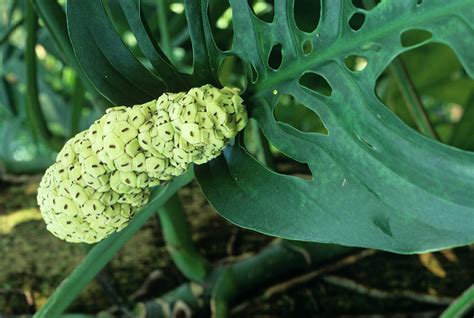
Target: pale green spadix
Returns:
[[102, 175]]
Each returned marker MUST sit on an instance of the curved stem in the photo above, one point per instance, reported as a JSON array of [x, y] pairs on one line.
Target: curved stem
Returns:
[[235, 280], [164, 32], [461, 305], [101, 254], [179, 242], [78, 100], [412, 100]]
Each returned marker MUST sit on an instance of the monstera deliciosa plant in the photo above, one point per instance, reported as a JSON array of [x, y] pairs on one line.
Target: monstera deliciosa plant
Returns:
[[375, 182]]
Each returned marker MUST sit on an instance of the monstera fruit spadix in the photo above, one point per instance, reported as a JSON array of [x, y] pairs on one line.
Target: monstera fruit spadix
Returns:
[[102, 175]]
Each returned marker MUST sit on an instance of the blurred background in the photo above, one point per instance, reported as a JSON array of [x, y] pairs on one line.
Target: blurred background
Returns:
[[45, 99]]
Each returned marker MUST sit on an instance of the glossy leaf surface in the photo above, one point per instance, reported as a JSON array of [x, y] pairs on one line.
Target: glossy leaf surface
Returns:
[[376, 182]]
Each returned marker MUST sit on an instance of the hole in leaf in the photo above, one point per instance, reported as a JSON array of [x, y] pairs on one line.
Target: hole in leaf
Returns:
[[232, 72], [418, 2], [307, 14], [267, 154], [316, 83], [288, 166], [307, 47], [254, 73], [365, 5], [220, 19], [355, 63], [263, 9], [365, 142], [371, 46], [356, 21], [275, 57], [117, 17], [289, 111], [181, 48], [414, 37], [444, 89]]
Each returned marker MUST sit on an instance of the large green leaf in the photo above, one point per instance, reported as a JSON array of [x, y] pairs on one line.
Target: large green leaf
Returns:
[[377, 183], [159, 60], [110, 66]]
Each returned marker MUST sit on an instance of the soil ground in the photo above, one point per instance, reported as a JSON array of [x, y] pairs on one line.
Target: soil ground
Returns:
[[33, 263]]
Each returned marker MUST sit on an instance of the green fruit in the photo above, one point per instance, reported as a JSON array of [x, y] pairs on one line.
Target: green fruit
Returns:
[[102, 175]]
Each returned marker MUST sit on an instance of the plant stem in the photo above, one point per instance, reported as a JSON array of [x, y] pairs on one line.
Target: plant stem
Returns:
[[35, 114], [226, 284], [103, 278], [78, 100], [178, 240], [225, 289], [460, 306], [383, 294], [103, 252], [163, 26], [412, 100]]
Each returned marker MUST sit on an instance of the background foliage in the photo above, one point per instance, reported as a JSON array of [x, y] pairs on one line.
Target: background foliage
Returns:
[[339, 93]]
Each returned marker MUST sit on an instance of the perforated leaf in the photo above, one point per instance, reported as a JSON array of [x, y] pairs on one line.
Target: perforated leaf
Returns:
[[376, 183], [109, 65]]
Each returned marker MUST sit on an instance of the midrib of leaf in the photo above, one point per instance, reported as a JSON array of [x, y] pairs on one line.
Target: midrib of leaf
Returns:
[[293, 69]]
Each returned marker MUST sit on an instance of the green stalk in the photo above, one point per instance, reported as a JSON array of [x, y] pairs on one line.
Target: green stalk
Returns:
[[103, 280], [33, 107], [102, 253], [164, 31], [224, 291], [412, 100], [179, 242], [227, 284], [460, 306]]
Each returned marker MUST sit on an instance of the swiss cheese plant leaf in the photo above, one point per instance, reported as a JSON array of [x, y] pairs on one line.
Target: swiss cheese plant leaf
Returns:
[[132, 11], [110, 66], [376, 182], [115, 72]]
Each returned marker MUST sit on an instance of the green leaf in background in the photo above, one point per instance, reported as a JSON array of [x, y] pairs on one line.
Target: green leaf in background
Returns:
[[463, 135], [376, 182], [439, 78], [156, 56], [108, 63]]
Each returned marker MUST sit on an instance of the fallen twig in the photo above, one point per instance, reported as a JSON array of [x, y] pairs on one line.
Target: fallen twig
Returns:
[[382, 294], [346, 261]]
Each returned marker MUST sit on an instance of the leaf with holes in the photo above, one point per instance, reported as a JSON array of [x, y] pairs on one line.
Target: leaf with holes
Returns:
[[376, 183]]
